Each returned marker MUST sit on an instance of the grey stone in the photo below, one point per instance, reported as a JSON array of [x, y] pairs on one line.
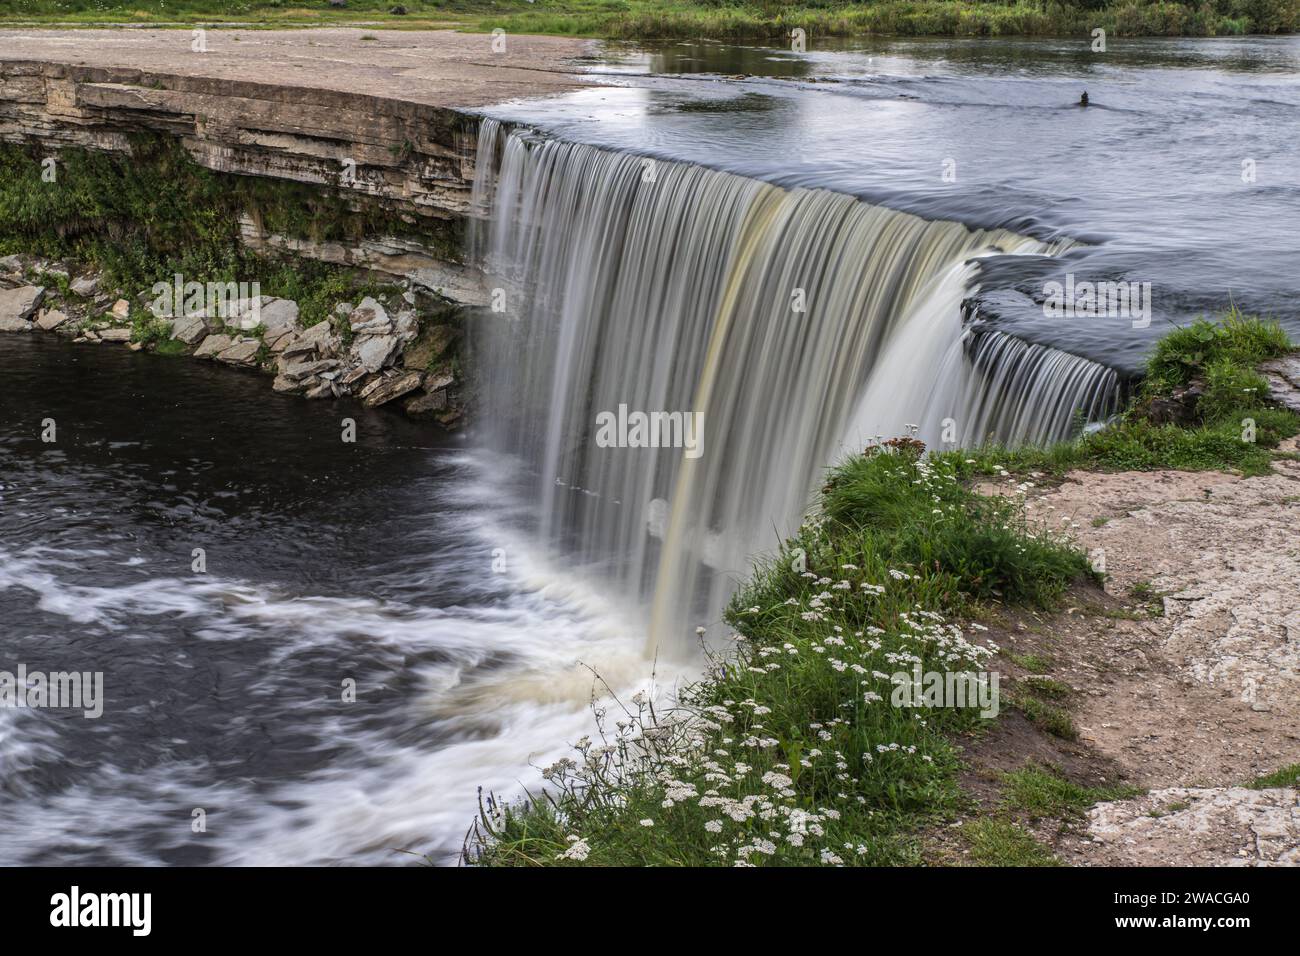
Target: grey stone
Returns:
[[382, 390], [12, 265], [51, 319], [191, 330], [368, 314], [279, 315], [355, 374], [20, 304], [1283, 376], [375, 351], [115, 335], [320, 390], [14, 324], [301, 370], [243, 352], [285, 384], [406, 325], [213, 345], [85, 286]]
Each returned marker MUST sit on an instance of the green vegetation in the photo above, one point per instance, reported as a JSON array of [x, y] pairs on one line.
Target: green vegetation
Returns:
[[1045, 716], [994, 841], [719, 19], [1033, 663], [142, 219], [801, 732], [1285, 777], [1232, 426], [1044, 792]]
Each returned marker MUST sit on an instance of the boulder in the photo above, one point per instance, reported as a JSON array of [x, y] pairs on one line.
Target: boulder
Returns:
[[115, 335], [355, 374], [373, 352], [51, 319], [12, 265], [381, 390], [243, 352], [17, 306], [213, 345], [288, 385], [368, 316], [279, 316], [297, 371], [190, 330], [121, 310], [85, 286], [319, 338], [278, 343], [320, 389]]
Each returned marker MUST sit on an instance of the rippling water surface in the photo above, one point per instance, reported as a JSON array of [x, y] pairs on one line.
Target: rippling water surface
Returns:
[[378, 561], [1149, 176]]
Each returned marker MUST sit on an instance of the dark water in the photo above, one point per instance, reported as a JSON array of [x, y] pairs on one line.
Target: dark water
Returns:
[[1149, 177], [325, 561]]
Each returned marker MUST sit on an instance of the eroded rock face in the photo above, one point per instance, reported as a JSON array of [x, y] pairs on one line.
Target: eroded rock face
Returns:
[[1283, 377]]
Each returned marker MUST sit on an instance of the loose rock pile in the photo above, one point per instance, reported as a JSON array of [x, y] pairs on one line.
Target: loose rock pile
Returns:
[[366, 351]]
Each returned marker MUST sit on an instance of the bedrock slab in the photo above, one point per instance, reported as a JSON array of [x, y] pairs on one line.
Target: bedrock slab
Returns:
[[441, 68]]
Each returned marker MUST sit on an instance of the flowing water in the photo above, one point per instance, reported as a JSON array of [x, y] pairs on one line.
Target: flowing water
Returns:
[[776, 252]]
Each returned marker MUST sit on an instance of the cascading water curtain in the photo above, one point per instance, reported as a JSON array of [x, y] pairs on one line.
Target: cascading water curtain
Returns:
[[648, 286]]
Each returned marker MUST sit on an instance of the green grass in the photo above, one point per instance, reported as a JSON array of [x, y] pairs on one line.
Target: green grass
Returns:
[[716, 19], [1033, 663], [1043, 792], [1285, 777], [994, 841], [1045, 716], [1234, 427], [798, 731]]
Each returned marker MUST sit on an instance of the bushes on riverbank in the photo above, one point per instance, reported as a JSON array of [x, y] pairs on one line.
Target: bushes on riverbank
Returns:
[[794, 749], [721, 19]]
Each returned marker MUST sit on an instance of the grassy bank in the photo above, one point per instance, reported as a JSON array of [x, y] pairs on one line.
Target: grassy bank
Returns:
[[794, 748], [791, 751], [718, 19]]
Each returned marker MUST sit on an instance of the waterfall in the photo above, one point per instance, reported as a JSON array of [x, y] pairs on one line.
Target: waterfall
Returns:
[[795, 321], [1021, 392]]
